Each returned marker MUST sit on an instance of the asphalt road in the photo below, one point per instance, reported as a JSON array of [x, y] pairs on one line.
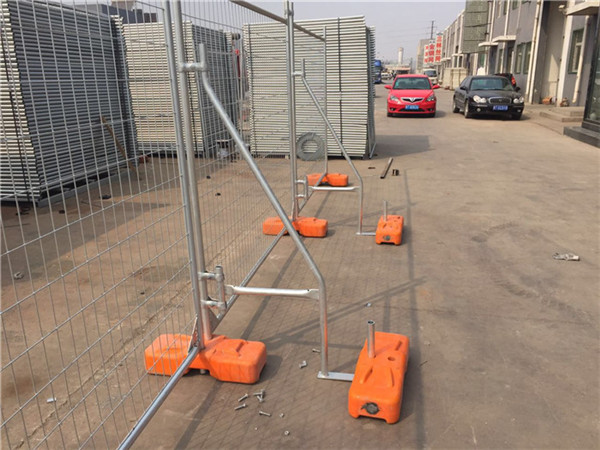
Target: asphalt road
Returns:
[[504, 338]]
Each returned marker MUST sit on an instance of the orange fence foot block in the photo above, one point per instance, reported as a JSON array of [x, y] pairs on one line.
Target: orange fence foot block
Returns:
[[305, 226], [272, 226], [332, 179], [376, 389], [311, 226], [389, 231], [234, 360]]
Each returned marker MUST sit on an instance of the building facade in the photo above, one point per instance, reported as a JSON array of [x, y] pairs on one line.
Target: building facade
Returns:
[[545, 44], [452, 69]]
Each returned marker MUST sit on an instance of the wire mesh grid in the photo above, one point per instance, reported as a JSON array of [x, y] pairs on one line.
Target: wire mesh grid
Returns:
[[232, 206], [94, 253], [94, 257]]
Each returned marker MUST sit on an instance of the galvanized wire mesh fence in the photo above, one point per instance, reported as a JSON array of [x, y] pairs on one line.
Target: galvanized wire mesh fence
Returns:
[[94, 251], [95, 254]]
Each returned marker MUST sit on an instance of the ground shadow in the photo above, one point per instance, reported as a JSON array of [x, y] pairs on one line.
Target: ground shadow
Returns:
[[390, 145]]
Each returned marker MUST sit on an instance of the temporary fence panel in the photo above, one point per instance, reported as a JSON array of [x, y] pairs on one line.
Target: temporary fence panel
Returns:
[[231, 208], [59, 66], [92, 278], [348, 91]]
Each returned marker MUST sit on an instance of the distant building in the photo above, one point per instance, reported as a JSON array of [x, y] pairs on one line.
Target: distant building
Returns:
[[400, 56], [551, 47], [421, 54], [452, 63]]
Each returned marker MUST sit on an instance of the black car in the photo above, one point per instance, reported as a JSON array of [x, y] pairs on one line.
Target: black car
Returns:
[[488, 94]]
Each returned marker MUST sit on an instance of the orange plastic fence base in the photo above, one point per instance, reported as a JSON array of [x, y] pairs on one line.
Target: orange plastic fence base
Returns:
[[376, 389], [234, 360], [332, 179], [305, 226], [389, 231]]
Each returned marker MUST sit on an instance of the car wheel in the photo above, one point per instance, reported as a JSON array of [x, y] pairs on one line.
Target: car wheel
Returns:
[[455, 108], [517, 116], [468, 114]]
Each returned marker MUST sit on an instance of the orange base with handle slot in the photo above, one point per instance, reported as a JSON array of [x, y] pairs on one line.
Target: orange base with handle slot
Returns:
[[332, 179], [234, 360], [389, 231], [376, 389], [305, 226]]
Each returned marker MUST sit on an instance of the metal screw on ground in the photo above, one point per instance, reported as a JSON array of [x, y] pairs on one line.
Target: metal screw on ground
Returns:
[[281, 415], [262, 413], [243, 397], [286, 433], [242, 406], [260, 394], [316, 350]]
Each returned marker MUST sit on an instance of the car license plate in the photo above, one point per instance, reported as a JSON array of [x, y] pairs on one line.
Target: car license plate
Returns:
[[411, 107], [500, 108]]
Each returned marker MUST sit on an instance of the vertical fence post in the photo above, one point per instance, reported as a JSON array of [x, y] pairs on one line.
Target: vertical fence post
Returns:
[[188, 136], [325, 97], [186, 186], [291, 82]]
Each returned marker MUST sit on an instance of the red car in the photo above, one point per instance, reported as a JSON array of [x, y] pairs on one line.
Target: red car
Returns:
[[411, 94]]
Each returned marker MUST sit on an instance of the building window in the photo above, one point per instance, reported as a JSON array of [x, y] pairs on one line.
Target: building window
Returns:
[[519, 63], [499, 8], [575, 51], [504, 7], [515, 4], [527, 57], [481, 60], [510, 54]]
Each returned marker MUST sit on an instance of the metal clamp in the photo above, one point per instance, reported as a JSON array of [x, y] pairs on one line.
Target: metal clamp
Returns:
[[219, 277], [304, 184]]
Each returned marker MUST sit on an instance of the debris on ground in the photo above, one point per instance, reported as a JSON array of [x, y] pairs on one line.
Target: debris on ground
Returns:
[[303, 364], [566, 256], [18, 275]]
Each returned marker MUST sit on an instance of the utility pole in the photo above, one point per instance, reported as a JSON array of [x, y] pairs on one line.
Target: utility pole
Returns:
[[431, 35]]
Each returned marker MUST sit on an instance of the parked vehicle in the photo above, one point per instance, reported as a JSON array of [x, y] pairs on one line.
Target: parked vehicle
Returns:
[[488, 94], [510, 76], [432, 74], [411, 94], [377, 71]]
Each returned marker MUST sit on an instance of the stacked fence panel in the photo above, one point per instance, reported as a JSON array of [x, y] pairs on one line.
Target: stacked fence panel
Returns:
[[152, 104], [55, 141], [348, 90], [371, 141]]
